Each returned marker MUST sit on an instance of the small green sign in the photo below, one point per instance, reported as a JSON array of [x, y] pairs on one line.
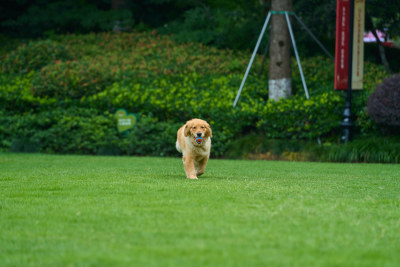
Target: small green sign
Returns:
[[125, 121]]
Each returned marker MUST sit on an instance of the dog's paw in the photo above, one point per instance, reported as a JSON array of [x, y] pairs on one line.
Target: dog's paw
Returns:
[[199, 173], [193, 178]]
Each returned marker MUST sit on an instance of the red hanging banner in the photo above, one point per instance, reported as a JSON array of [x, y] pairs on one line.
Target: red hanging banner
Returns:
[[342, 44]]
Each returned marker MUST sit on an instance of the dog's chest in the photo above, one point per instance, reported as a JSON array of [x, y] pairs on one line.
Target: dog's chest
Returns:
[[200, 150]]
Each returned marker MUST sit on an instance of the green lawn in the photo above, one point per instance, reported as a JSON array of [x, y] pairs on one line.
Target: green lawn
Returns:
[[139, 211]]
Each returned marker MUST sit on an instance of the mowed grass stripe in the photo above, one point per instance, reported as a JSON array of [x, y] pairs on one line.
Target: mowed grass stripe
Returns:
[[109, 211]]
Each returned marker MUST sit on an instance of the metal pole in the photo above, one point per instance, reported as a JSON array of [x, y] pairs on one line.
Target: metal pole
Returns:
[[315, 38], [297, 55], [252, 58], [347, 123]]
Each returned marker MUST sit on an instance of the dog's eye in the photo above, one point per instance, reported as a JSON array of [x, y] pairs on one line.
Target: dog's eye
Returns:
[[194, 127], [202, 127]]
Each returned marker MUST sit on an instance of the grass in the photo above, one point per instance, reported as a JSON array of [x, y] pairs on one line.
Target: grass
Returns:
[[140, 211]]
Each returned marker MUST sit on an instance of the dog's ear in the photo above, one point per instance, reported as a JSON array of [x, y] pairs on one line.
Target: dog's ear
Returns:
[[186, 130], [208, 130]]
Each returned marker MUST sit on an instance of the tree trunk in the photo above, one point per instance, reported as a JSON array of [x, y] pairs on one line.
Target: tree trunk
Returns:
[[382, 53], [118, 4], [280, 75], [370, 26]]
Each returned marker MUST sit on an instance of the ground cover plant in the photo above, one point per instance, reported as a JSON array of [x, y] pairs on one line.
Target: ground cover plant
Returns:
[[369, 149], [124, 211], [59, 95]]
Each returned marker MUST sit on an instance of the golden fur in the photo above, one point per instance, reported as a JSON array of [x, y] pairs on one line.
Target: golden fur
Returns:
[[194, 155]]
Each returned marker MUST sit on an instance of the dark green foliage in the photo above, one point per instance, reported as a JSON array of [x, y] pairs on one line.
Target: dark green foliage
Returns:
[[384, 103], [319, 16], [85, 131], [373, 149], [72, 79], [74, 130], [383, 16], [369, 149], [298, 118], [257, 146], [39, 18], [65, 103], [218, 27], [372, 54], [227, 24], [34, 56], [152, 137]]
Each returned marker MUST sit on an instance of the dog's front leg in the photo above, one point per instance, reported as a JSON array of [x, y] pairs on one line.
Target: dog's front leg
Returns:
[[201, 166], [188, 165]]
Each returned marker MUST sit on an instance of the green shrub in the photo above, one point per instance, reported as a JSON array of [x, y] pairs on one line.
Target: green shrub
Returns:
[[75, 130], [34, 56], [72, 79], [298, 118], [319, 74], [85, 131], [48, 18], [16, 95], [165, 84], [219, 27], [384, 103], [152, 137]]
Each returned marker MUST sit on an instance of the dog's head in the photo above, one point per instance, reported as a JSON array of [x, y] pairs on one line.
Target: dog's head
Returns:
[[197, 128]]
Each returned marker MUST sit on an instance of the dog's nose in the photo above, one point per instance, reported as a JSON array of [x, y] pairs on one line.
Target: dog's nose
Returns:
[[198, 134]]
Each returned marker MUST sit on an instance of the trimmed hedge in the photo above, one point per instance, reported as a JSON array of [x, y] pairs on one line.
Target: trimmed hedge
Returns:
[[65, 103], [85, 131]]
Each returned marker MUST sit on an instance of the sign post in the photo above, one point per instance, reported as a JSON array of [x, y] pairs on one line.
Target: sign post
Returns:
[[349, 58]]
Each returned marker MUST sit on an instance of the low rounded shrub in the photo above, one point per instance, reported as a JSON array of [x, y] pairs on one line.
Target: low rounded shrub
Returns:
[[72, 79], [384, 103], [74, 130], [85, 131], [300, 118], [34, 55]]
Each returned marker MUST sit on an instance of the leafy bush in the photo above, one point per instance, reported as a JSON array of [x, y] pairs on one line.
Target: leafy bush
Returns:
[[219, 27], [47, 18], [151, 137], [16, 95], [56, 106], [384, 104], [298, 118], [85, 131], [34, 56], [72, 79], [75, 130]]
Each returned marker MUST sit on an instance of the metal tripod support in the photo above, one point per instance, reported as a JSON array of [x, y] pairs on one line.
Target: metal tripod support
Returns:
[[286, 13]]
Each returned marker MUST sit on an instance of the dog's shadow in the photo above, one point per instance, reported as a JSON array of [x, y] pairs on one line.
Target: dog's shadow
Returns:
[[171, 176]]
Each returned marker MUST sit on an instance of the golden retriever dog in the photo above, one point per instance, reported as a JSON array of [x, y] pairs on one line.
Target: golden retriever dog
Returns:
[[194, 142]]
